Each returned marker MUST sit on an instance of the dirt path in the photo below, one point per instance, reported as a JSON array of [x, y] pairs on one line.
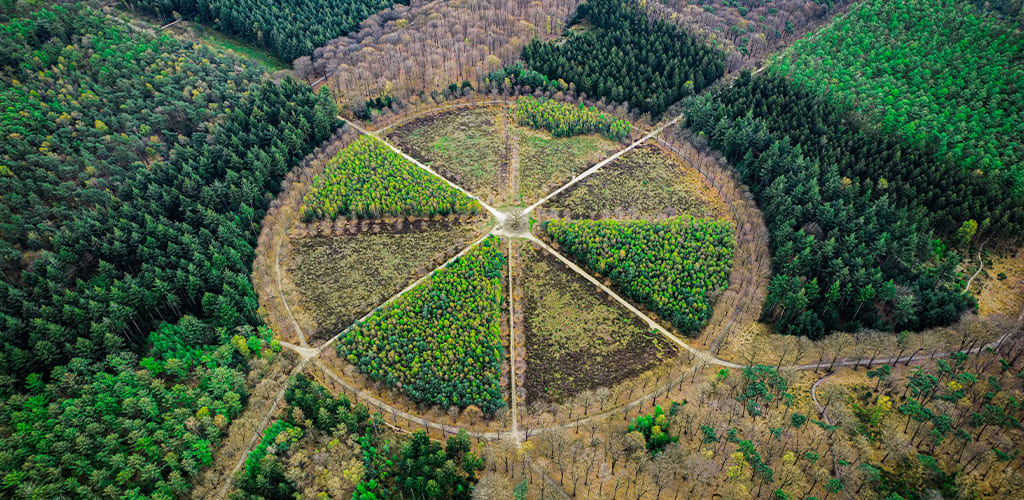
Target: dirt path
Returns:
[[513, 379], [280, 288], [814, 397], [258, 433], [597, 166], [704, 356]]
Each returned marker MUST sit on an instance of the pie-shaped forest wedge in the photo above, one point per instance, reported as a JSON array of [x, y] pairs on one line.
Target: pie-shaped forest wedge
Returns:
[[674, 267], [439, 343], [467, 147], [344, 275]]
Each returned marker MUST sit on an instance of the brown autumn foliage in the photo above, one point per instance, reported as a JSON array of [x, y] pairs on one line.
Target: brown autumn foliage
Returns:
[[762, 28], [426, 46], [868, 432]]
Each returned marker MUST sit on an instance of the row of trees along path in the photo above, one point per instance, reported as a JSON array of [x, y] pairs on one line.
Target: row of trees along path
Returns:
[[308, 356]]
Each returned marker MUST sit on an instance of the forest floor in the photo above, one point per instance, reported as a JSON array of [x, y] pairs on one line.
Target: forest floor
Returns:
[[547, 162], [647, 183], [467, 147], [1000, 287], [484, 150], [341, 277], [577, 338]]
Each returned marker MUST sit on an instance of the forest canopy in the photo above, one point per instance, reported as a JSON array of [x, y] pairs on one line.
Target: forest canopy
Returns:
[[846, 253], [673, 267], [368, 179], [928, 70], [288, 29], [129, 233], [566, 120], [440, 342], [612, 50]]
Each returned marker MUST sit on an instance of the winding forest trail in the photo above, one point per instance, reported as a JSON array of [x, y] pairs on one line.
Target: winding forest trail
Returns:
[[284, 300], [310, 355], [814, 397]]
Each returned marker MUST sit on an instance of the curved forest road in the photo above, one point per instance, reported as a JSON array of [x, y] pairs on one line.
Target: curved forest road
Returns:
[[814, 397], [308, 355], [284, 300]]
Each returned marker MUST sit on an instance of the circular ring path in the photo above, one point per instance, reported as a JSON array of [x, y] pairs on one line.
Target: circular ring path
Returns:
[[309, 357]]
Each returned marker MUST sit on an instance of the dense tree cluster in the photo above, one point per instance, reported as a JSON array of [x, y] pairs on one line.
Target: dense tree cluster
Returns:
[[519, 76], [654, 428], [440, 342], [368, 179], [928, 70], [65, 147], [566, 120], [939, 193], [412, 53], [1012, 10], [670, 266], [762, 385], [162, 195], [614, 51], [288, 29], [422, 468], [323, 410], [111, 428], [263, 475], [845, 255]]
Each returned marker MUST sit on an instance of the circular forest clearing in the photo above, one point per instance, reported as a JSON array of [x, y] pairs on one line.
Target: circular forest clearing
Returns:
[[491, 261]]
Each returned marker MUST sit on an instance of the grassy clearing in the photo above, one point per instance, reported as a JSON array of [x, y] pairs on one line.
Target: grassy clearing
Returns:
[[220, 41], [466, 146], [1000, 285], [341, 278], [546, 162], [646, 183], [576, 338]]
